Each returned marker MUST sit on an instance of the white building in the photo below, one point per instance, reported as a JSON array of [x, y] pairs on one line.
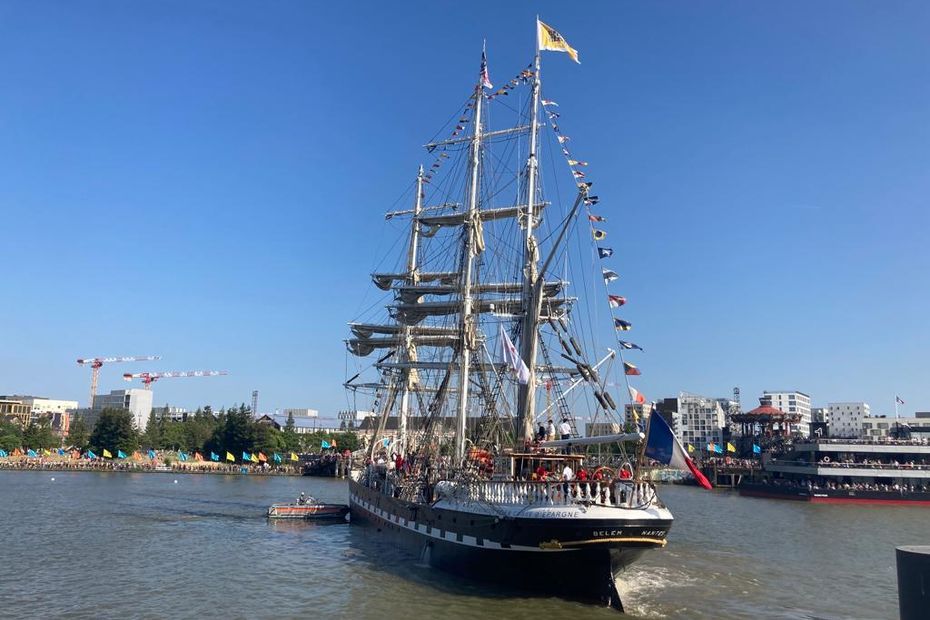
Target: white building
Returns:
[[39, 406], [792, 402], [696, 420], [820, 414], [301, 413], [136, 400], [175, 414], [846, 418]]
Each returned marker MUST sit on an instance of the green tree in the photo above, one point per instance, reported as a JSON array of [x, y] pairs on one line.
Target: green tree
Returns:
[[78, 433], [346, 441], [11, 435], [152, 436], [174, 436], [198, 429], [289, 434], [267, 439], [233, 432], [114, 431], [39, 435]]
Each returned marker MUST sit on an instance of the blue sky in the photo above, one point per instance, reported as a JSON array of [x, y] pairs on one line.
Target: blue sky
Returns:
[[206, 182]]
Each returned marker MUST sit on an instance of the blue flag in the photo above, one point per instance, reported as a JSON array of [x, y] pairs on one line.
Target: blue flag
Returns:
[[246, 456], [324, 444], [3, 453], [756, 449], [31, 452], [718, 449], [90, 455], [214, 456], [61, 452], [120, 454], [182, 456], [152, 454]]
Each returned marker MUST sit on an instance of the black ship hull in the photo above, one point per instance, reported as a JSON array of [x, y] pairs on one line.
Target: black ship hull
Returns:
[[833, 496], [575, 558]]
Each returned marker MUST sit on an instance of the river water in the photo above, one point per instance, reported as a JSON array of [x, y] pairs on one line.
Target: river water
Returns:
[[115, 545]]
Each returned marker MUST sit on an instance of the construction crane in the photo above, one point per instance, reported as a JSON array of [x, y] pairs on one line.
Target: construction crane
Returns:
[[96, 362], [148, 378]]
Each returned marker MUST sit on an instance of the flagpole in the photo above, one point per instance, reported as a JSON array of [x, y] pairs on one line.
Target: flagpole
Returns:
[[526, 395], [642, 449]]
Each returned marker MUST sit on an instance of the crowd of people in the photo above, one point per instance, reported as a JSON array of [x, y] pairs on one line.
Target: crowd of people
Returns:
[[146, 466], [864, 463], [820, 484]]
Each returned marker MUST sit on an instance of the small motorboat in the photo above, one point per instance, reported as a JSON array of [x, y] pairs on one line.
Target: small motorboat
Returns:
[[307, 507]]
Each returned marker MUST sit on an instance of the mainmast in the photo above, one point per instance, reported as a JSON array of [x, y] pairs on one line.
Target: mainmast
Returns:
[[526, 394], [467, 337], [409, 354]]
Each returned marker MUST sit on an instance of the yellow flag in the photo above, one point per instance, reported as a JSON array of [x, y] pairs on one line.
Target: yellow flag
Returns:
[[730, 447], [47, 452], [230, 457], [550, 39], [253, 458], [690, 449], [107, 454], [294, 457]]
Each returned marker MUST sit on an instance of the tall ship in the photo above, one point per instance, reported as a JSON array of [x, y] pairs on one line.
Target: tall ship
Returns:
[[487, 353], [847, 471]]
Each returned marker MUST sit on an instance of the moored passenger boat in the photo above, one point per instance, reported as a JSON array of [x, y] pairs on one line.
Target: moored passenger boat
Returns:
[[847, 471]]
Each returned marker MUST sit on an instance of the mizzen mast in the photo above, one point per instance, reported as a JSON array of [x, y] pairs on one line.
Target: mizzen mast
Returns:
[[411, 377]]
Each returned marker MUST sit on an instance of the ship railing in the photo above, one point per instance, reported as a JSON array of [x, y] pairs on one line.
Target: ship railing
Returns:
[[850, 465], [533, 493]]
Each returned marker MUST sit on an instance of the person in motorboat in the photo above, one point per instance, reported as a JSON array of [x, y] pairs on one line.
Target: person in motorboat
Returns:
[[302, 499]]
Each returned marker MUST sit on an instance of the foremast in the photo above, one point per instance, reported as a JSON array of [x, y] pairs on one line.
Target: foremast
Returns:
[[526, 393], [410, 375], [467, 328]]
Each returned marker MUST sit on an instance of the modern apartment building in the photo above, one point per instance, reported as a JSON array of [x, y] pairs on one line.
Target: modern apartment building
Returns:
[[696, 420], [846, 418], [136, 400], [791, 402]]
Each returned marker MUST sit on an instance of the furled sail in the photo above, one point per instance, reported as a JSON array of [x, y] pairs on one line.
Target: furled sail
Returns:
[[411, 294], [384, 281], [365, 346], [411, 314]]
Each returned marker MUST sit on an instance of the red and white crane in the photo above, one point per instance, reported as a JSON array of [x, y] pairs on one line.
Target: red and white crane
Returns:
[[148, 378], [96, 362]]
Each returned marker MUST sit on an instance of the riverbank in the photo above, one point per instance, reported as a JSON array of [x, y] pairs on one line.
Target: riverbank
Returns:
[[145, 467]]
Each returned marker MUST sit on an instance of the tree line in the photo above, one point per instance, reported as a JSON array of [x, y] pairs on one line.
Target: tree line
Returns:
[[230, 430]]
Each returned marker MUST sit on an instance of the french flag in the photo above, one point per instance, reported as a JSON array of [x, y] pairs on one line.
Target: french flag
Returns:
[[664, 447]]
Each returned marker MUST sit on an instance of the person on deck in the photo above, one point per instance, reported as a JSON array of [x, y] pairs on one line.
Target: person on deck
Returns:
[[550, 431], [567, 476], [565, 429], [540, 472], [541, 433]]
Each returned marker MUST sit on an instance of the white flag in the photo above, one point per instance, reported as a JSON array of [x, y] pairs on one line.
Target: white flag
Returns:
[[512, 358]]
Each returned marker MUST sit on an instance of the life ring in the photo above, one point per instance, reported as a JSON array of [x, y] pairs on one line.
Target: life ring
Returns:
[[625, 472], [825, 459], [727, 460], [606, 473]]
